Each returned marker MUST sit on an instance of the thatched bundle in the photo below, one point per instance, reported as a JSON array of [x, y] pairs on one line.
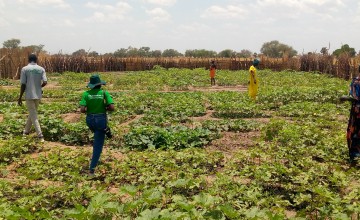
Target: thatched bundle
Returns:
[[11, 62]]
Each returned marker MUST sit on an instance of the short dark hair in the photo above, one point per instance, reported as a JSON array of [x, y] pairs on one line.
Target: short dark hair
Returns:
[[32, 58]]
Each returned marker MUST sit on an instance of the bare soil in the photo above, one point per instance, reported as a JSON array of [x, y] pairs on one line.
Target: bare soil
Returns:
[[52, 85], [232, 141], [71, 117], [127, 123], [216, 88], [207, 116]]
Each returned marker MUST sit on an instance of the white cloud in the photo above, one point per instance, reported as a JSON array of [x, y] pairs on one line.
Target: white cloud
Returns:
[[69, 23], [22, 20], [158, 15], [4, 23], [55, 3], [302, 5], [162, 2], [227, 12], [357, 17], [108, 13], [192, 28], [300, 9]]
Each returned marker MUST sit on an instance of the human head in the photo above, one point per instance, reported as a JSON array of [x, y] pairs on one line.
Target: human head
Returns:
[[256, 62], [95, 81], [32, 58], [213, 61]]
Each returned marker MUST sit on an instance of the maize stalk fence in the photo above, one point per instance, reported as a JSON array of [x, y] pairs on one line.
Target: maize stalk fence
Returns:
[[11, 62]]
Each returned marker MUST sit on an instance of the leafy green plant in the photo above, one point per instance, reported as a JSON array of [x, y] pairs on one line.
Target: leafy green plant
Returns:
[[13, 148], [150, 137]]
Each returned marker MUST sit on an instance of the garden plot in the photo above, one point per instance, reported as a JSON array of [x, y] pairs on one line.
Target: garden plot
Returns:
[[183, 150]]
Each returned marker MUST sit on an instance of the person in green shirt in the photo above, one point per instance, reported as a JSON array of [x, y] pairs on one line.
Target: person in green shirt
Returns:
[[95, 103]]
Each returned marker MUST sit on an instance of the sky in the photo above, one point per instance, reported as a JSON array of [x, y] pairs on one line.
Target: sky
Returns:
[[104, 26]]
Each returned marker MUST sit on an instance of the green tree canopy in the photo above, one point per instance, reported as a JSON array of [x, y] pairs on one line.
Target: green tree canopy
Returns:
[[80, 52], [36, 48], [144, 52], [227, 53], [276, 49], [12, 43], [345, 49], [156, 53], [200, 53], [120, 52], [171, 53], [132, 52], [324, 51], [245, 53], [93, 54]]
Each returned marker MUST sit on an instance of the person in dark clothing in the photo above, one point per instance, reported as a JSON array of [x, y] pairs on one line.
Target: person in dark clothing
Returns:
[[353, 129]]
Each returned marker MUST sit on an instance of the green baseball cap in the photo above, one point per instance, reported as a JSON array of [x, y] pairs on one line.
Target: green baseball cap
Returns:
[[95, 81]]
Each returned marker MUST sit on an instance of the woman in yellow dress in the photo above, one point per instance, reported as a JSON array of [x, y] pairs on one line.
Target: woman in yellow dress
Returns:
[[253, 79]]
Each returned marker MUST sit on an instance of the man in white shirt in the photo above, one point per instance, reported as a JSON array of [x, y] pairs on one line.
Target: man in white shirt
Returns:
[[32, 79]]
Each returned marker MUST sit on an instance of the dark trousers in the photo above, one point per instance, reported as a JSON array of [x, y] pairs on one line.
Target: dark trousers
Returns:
[[97, 123]]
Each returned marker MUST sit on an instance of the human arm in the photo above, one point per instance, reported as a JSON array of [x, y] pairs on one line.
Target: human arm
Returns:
[[109, 101], [44, 78], [22, 90], [355, 89], [83, 109], [83, 103], [252, 73], [110, 108]]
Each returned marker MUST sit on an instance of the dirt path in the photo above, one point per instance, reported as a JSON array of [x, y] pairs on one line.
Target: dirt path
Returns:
[[207, 116], [238, 88], [127, 123], [71, 117], [233, 141], [52, 85]]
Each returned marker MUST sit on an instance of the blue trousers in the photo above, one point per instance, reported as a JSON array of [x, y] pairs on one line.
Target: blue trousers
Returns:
[[97, 124]]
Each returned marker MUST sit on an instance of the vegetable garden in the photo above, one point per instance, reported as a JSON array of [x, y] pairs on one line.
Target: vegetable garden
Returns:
[[183, 150]]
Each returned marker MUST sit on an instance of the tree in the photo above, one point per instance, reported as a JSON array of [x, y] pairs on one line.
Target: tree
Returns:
[[93, 54], [245, 53], [227, 53], [155, 53], [144, 52], [12, 43], [132, 52], [324, 51], [37, 48], [80, 52], [276, 49], [200, 53], [171, 53], [345, 49], [122, 52]]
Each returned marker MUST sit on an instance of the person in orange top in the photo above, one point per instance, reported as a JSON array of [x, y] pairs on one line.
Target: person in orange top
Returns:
[[253, 79], [212, 72]]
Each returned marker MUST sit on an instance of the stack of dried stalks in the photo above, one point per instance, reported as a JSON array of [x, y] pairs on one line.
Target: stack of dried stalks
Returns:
[[11, 62]]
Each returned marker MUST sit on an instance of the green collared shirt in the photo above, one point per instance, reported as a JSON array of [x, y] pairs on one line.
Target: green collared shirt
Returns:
[[96, 101]]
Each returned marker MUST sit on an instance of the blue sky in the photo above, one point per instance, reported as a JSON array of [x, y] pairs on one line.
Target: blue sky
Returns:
[[105, 26]]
